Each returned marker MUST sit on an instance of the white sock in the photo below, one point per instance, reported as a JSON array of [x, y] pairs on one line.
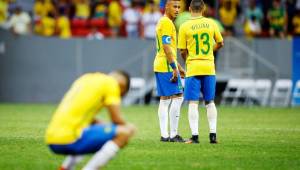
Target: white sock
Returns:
[[163, 117], [193, 118], [106, 153], [174, 115], [212, 114], [71, 161]]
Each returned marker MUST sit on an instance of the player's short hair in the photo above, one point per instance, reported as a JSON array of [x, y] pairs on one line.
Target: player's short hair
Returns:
[[197, 5], [126, 76]]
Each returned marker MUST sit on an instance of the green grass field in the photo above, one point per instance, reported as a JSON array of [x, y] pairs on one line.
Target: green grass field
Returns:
[[249, 138]]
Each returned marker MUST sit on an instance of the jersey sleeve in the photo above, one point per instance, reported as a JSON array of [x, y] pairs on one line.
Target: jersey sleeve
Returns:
[[217, 34], [112, 96], [166, 30], [182, 38]]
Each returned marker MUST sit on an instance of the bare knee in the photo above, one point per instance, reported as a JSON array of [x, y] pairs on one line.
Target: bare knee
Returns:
[[127, 130]]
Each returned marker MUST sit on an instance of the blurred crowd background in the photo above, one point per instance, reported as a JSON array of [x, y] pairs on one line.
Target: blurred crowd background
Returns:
[[98, 19]]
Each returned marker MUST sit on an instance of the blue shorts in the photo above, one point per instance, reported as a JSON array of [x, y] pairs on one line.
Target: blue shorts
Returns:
[[165, 87], [92, 139], [196, 84]]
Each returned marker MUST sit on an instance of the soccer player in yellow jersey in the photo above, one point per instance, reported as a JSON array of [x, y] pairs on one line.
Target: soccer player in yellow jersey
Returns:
[[198, 38], [166, 70], [74, 130]]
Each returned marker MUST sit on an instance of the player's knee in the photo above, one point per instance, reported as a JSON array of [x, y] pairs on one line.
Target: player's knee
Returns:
[[126, 130]]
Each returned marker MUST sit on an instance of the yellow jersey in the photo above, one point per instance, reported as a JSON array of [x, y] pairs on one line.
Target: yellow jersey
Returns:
[[82, 10], [198, 35], [296, 24], [165, 34], [63, 24], [3, 11], [114, 14], [81, 103], [48, 26]]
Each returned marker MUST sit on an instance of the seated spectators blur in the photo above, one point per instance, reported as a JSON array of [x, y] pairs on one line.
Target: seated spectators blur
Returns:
[[276, 17], [132, 18], [296, 23], [82, 9], [19, 22], [209, 12], [228, 15], [3, 11], [63, 28], [149, 21], [115, 17]]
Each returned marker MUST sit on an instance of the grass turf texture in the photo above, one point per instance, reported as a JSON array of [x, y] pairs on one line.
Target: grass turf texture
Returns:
[[249, 138]]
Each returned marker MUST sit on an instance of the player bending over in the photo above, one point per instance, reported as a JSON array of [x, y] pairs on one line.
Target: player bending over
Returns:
[[74, 131], [166, 70], [198, 38]]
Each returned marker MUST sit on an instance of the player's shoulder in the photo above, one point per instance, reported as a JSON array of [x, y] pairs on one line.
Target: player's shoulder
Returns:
[[165, 20]]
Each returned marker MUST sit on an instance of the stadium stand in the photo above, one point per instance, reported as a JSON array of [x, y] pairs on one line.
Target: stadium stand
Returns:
[[254, 18]]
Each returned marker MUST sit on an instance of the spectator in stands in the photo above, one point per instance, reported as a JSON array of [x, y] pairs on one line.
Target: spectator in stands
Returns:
[[255, 11], [63, 28], [95, 34], [82, 9], [100, 10], [20, 22], [132, 18], [115, 16], [64, 5], [276, 17], [3, 11], [41, 8], [48, 25], [149, 21], [228, 15], [252, 27], [296, 23]]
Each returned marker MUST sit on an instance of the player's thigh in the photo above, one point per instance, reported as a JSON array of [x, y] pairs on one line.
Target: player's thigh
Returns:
[[91, 140], [165, 87], [208, 87], [192, 89]]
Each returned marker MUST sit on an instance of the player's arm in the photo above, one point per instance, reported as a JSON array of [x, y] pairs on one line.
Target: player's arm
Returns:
[[182, 43], [115, 114], [218, 38], [218, 46], [170, 56], [184, 54]]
